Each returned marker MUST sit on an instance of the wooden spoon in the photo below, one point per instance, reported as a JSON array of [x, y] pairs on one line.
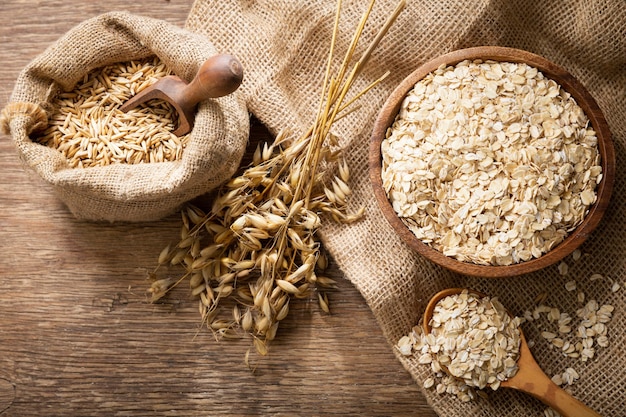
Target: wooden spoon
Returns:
[[529, 377], [218, 76]]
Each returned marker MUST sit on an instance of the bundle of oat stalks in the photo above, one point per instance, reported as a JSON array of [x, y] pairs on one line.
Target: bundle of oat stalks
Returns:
[[258, 246]]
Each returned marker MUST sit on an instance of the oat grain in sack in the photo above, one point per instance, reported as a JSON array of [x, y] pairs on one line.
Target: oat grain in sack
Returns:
[[130, 187]]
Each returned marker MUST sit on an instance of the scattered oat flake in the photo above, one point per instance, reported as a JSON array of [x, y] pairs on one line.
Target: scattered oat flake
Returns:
[[549, 412], [557, 379], [595, 277]]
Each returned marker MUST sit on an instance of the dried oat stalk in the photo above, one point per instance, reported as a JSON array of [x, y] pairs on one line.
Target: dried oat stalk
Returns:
[[258, 247]]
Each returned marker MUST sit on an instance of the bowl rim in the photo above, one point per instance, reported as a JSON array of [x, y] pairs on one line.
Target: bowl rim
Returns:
[[387, 115]]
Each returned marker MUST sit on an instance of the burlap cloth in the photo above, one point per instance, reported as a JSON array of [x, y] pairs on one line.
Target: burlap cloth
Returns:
[[283, 46], [127, 192]]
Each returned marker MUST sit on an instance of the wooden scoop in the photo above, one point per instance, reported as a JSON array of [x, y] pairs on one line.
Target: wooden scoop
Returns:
[[218, 76], [529, 377]]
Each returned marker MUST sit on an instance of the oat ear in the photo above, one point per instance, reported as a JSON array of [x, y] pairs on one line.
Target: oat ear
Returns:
[[258, 245]]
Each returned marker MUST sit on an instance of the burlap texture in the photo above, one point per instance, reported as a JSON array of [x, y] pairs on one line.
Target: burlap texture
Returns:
[[126, 192], [284, 43]]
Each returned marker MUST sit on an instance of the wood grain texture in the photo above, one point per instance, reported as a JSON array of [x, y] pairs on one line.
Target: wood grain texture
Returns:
[[78, 337]]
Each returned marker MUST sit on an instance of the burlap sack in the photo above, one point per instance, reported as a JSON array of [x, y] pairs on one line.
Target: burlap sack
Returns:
[[284, 44], [126, 192]]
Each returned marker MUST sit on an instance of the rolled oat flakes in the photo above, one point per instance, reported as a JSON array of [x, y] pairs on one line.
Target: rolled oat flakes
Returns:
[[490, 162], [473, 344]]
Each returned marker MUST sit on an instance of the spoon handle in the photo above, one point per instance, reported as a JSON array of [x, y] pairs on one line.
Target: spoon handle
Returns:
[[218, 76], [532, 380]]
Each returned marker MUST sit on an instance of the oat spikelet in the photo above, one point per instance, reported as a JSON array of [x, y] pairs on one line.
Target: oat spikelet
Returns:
[[259, 243]]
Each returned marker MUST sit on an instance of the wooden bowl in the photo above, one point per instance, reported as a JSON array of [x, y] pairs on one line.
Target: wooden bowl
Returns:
[[388, 114]]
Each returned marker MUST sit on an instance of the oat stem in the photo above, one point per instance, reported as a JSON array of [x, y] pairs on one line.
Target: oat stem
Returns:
[[338, 88], [261, 229]]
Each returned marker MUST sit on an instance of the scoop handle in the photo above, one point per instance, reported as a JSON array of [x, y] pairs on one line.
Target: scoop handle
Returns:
[[218, 76], [531, 379]]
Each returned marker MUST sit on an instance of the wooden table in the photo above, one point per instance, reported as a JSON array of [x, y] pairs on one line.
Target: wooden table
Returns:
[[78, 336]]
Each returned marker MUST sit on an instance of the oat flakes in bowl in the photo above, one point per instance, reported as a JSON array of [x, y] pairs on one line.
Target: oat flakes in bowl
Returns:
[[492, 162]]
